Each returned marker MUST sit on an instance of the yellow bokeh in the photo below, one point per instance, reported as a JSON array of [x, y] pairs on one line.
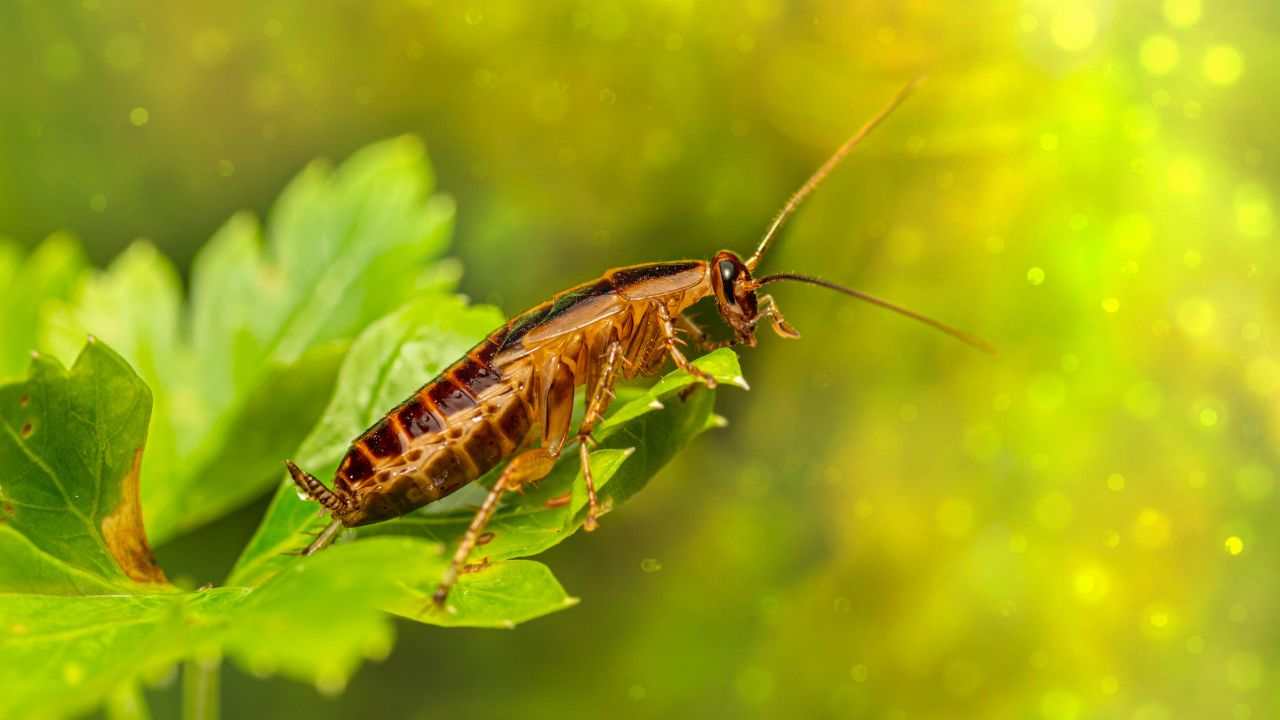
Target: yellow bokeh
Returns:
[[1234, 545], [1182, 13], [890, 525], [1223, 65], [1159, 54], [1074, 25], [1152, 529]]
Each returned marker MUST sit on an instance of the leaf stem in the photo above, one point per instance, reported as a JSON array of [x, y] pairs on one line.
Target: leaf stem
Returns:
[[200, 688]]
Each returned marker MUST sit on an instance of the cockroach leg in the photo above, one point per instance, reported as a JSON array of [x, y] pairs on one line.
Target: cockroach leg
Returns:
[[669, 336], [700, 339], [325, 537], [769, 308], [600, 395], [558, 501], [527, 467], [584, 456]]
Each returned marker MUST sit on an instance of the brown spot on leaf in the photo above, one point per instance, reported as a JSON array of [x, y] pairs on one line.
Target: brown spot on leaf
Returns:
[[124, 534], [485, 538], [24, 401], [25, 430]]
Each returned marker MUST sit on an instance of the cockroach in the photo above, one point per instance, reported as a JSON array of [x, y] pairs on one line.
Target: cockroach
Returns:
[[512, 395]]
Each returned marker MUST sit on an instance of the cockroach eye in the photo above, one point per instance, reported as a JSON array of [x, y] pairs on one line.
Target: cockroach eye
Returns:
[[728, 276]]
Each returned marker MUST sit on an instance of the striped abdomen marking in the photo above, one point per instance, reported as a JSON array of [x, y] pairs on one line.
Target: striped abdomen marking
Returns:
[[450, 432]]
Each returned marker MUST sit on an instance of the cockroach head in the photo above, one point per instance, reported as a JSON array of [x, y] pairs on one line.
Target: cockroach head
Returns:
[[736, 295]]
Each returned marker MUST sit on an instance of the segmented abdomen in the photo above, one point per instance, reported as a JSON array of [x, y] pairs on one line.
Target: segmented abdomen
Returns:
[[451, 431]]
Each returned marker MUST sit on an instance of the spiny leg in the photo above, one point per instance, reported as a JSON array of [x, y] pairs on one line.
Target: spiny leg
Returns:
[[672, 342], [695, 331], [325, 537], [527, 467], [699, 337], [769, 308], [597, 403]]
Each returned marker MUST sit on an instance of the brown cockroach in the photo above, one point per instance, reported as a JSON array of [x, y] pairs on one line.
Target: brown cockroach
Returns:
[[516, 388]]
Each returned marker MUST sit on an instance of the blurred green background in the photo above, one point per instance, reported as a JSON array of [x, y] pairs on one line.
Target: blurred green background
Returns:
[[892, 526]]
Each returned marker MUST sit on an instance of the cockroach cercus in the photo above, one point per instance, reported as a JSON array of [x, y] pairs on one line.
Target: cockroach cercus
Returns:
[[512, 395]]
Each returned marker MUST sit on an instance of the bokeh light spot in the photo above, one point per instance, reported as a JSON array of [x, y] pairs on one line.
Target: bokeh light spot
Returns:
[[1208, 417], [1223, 65], [1182, 13], [1185, 175], [1196, 316], [1073, 26], [139, 116], [1152, 529], [73, 673], [1254, 216], [1035, 276], [1115, 482], [1234, 545], [1092, 584], [1159, 54], [1111, 305]]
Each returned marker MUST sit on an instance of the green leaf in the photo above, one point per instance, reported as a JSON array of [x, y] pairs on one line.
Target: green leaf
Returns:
[[394, 358], [50, 272], [317, 622], [70, 446], [84, 612], [260, 340]]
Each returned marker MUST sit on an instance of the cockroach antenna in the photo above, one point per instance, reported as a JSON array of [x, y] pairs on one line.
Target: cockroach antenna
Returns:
[[962, 336], [479, 411], [822, 172]]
